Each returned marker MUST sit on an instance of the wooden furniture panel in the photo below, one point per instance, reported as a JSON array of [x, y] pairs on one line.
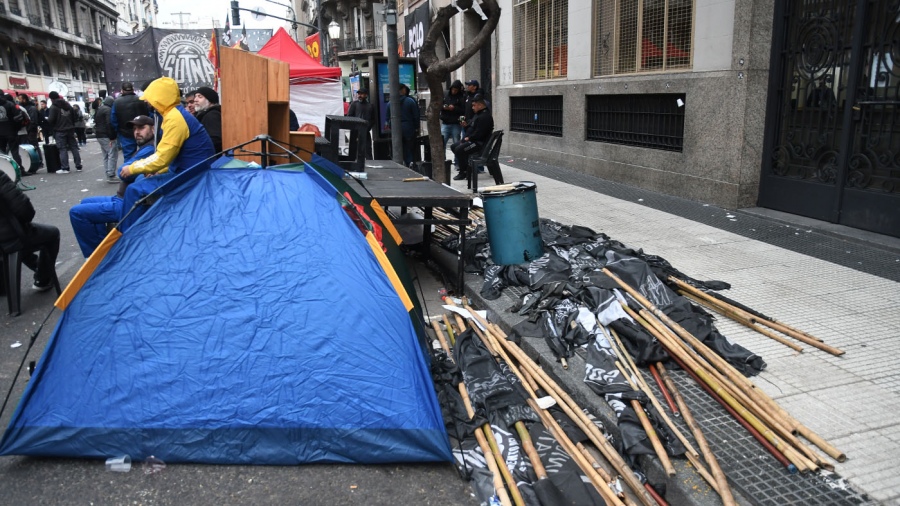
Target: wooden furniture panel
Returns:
[[306, 141], [279, 81], [244, 108]]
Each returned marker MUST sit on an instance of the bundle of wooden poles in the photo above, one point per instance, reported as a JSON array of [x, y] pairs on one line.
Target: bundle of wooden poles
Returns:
[[777, 431], [442, 232]]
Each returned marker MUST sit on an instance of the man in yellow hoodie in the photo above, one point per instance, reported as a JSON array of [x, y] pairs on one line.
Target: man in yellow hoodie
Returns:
[[183, 144]]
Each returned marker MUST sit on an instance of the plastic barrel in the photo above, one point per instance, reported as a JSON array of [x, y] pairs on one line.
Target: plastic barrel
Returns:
[[513, 227]]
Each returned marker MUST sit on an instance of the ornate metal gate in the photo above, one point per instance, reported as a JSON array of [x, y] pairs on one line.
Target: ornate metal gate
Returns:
[[832, 148]]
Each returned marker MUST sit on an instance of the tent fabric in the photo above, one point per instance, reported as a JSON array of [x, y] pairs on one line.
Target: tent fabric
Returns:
[[312, 102], [282, 47], [243, 319]]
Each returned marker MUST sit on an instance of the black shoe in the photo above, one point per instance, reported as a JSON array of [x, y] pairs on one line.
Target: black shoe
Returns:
[[462, 176], [42, 286]]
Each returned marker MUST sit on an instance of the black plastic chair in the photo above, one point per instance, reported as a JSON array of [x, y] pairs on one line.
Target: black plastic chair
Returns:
[[12, 269], [487, 158]]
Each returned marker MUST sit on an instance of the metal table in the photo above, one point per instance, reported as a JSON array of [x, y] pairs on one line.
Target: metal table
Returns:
[[384, 182]]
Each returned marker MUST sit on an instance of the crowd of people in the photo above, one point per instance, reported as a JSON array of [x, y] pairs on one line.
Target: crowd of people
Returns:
[[161, 134]]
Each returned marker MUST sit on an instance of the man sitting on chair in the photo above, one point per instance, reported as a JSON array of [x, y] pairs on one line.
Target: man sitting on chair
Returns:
[[478, 132], [19, 232], [89, 218]]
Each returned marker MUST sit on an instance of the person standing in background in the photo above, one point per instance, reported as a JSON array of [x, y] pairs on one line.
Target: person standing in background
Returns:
[[106, 136], [125, 108], [363, 109], [62, 121]]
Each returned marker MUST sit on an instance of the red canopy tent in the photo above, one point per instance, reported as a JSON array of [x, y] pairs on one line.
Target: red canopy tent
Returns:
[[316, 90], [282, 47]]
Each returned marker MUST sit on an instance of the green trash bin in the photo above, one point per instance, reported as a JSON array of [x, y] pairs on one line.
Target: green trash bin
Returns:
[[513, 224]]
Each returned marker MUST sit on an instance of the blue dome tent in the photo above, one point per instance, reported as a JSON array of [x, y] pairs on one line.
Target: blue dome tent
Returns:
[[244, 319]]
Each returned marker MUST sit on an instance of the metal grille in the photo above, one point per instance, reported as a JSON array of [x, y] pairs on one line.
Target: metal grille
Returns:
[[649, 121], [537, 115], [541, 31], [61, 12], [642, 35]]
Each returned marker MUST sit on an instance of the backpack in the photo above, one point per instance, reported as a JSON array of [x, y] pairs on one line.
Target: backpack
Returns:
[[3, 115]]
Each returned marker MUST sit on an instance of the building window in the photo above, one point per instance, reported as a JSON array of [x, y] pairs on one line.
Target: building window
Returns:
[[642, 35], [541, 33], [537, 115], [12, 61], [48, 15], [29, 63], [45, 66], [649, 121], [61, 12]]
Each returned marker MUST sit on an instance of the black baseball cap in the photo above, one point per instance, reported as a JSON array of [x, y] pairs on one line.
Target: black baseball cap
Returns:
[[362, 90], [141, 120], [472, 82]]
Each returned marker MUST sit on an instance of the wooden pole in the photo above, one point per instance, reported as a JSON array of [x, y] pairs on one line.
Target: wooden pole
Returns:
[[784, 329], [489, 458], [648, 427], [440, 335], [721, 480], [662, 388], [743, 321], [568, 405]]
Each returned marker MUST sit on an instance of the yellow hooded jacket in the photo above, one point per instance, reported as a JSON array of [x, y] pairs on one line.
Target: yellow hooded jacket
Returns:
[[180, 131]]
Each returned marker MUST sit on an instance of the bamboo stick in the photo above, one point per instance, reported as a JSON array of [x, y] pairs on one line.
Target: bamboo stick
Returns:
[[646, 389], [440, 336], [449, 329], [571, 408], [648, 427], [548, 420], [662, 388], [811, 460], [798, 335], [708, 455], [743, 321], [486, 450]]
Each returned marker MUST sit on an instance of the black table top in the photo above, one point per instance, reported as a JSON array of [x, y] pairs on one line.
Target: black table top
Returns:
[[384, 181]]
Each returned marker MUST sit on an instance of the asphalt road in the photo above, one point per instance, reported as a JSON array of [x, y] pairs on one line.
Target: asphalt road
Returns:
[[25, 480]]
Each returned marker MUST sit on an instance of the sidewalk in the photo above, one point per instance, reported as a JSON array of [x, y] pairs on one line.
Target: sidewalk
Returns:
[[843, 290]]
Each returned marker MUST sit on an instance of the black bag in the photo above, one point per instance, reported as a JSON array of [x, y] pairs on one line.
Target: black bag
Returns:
[[51, 157]]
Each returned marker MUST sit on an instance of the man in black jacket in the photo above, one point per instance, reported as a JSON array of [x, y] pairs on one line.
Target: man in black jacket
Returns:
[[125, 108], [17, 232], [9, 129], [31, 131], [453, 108], [209, 113], [478, 132], [62, 121], [106, 136], [362, 108]]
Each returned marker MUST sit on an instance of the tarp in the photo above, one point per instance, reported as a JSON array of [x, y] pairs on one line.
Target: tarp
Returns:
[[244, 319], [315, 89]]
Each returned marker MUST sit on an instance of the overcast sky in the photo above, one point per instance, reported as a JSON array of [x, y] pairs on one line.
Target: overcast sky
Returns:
[[202, 13]]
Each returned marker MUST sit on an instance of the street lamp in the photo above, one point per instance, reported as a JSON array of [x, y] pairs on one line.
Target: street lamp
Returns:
[[334, 32]]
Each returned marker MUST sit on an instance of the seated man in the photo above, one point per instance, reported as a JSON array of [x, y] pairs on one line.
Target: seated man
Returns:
[[478, 132], [184, 144], [89, 218], [16, 213]]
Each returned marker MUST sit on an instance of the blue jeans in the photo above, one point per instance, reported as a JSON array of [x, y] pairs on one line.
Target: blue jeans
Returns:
[[89, 219], [451, 133]]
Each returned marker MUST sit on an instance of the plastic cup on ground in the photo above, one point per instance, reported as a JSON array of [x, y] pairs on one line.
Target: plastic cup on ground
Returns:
[[119, 464]]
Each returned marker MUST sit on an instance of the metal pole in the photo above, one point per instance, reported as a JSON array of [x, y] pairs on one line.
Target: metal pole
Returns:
[[322, 34], [394, 82]]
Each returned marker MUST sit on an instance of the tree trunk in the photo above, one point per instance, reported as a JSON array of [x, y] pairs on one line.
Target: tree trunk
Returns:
[[437, 71]]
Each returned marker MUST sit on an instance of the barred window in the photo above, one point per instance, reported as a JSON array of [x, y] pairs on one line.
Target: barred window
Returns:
[[538, 115], [653, 121], [642, 35], [541, 31]]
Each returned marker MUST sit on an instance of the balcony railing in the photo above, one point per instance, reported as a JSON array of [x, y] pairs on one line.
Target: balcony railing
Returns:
[[367, 43], [14, 9]]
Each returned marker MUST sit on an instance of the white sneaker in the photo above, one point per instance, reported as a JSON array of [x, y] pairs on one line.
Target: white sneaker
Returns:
[[62, 172]]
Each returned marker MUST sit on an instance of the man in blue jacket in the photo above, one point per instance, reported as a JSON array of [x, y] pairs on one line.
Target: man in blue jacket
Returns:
[[184, 144], [409, 123], [89, 218]]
